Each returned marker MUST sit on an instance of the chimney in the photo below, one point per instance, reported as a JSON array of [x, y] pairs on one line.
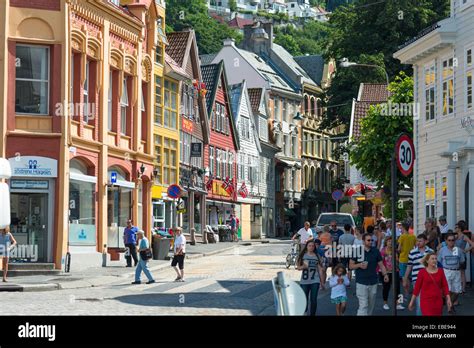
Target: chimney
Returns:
[[258, 38], [229, 42]]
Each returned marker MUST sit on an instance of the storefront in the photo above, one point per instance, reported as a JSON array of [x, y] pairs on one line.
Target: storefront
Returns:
[[32, 199], [191, 212]]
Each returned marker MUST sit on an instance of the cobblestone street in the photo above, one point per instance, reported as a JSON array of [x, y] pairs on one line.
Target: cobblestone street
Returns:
[[235, 282]]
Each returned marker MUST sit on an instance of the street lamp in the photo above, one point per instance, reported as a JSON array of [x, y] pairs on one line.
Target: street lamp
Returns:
[[345, 63]]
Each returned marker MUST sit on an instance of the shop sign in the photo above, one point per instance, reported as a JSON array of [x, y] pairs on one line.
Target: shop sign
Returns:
[[80, 234], [29, 184], [34, 166], [187, 125], [196, 149]]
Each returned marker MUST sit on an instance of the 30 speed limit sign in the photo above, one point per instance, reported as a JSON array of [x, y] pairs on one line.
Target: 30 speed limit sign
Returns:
[[405, 154]]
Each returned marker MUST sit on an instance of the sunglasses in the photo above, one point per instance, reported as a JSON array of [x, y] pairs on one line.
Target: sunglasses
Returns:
[[450, 240], [369, 240]]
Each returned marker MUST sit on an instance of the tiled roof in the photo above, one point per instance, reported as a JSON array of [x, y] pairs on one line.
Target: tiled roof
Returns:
[[209, 75], [313, 65], [369, 94], [176, 48], [238, 22], [207, 58], [175, 67], [255, 95], [374, 92]]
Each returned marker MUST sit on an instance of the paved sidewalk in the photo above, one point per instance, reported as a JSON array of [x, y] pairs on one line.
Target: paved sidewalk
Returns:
[[114, 272]]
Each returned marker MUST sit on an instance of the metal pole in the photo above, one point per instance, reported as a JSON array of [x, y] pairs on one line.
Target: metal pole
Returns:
[[283, 284], [337, 206], [394, 232]]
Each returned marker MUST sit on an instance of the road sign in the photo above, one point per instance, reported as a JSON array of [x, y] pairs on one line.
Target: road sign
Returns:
[[113, 177], [337, 195], [405, 154], [174, 191]]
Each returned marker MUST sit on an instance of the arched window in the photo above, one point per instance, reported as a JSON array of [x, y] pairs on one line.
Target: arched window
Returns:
[[318, 179], [313, 178], [306, 104], [306, 178]]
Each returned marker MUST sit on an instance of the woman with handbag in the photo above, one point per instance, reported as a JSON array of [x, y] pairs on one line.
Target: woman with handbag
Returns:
[[432, 287], [145, 255]]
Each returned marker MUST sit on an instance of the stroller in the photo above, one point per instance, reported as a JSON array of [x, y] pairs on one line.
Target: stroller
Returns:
[[293, 254]]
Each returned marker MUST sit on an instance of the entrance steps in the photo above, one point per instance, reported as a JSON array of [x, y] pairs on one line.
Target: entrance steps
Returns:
[[16, 269]]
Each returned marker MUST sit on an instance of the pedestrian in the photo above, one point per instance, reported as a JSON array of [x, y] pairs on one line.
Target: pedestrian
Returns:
[[433, 233], [464, 243], [144, 252], [130, 241], [444, 228], [233, 227], [358, 236], [415, 265], [7, 243], [325, 236], [451, 258], [335, 232], [179, 254], [406, 243], [338, 283], [393, 275], [431, 286], [321, 250], [312, 276], [381, 235], [347, 239], [373, 236], [366, 275], [236, 235], [305, 234]]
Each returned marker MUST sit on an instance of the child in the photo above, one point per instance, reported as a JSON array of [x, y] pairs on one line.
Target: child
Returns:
[[338, 283]]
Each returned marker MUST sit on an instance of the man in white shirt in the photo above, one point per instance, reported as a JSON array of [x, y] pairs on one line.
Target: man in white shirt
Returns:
[[179, 254], [305, 234], [443, 226]]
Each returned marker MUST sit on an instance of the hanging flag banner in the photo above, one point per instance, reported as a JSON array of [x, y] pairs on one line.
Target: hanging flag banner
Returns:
[[228, 186], [243, 191]]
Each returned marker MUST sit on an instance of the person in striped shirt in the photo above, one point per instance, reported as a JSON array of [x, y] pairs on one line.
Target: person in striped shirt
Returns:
[[415, 264]]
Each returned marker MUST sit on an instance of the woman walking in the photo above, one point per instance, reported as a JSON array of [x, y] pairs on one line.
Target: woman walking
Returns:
[[7, 242], [433, 286], [392, 276], [338, 283], [312, 276]]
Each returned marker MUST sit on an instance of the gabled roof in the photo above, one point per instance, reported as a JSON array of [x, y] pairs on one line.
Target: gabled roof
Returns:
[[313, 65], [255, 95], [178, 45], [238, 22], [172, 68], [211, 74], [369, 94], [207, 58]]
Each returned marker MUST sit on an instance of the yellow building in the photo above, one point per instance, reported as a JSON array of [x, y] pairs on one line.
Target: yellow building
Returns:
[[77, 125]]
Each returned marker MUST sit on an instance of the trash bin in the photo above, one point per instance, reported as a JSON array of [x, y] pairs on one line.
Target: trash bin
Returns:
[[161, 247]]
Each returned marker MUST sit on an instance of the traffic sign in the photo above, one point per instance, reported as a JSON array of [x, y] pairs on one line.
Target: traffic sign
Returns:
[[113, 177], [337, 195], [405, 154], [174, 191]]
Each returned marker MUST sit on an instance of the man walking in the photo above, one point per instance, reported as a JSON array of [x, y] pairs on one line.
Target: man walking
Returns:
[[443, 225], [179, 254], [367, 277], [305, 234], [451, 257], [130, 241], [406, 243], [415, 257]]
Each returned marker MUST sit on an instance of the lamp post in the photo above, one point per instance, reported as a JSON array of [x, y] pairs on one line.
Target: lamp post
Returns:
[[345, 63]]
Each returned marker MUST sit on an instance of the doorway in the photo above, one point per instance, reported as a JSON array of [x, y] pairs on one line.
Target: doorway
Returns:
[[29, 221]]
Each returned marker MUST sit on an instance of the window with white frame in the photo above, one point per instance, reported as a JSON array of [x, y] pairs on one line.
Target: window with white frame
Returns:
[[218, 163], [469, 73], [211, 160], [32, 80], [124, 106], [230, 164], [305, 144], [448, 86], [263, 128], [430, 92], [430, 197], [444, 194], [245, 128], [85, 104]]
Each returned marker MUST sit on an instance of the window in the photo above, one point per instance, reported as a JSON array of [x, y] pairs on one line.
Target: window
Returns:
[[32, 80], [448, 86], [230, 164], [109, 100], [124, 106], [85, 103], [469, 73], [305, 144], [287, 145], [162, 41], [317, 145], [241, 167], [170, 161], [444, 188], [277, 109], [158, 100], [430, 95], [144, 114], [294, 146], [71, 87], [158, 157], [430, 196], [245, 128], [218, 163], [211, 160], [171, 104], [185, 147]]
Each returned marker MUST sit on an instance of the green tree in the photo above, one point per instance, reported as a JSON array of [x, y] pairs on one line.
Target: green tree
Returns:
[[371, 153], [308, 39], [373, 29], [209, 32], [233, 5], [289, 43]]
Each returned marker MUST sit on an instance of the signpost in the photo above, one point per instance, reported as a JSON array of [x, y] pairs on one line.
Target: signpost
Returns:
[[403, 157], [337, 196]]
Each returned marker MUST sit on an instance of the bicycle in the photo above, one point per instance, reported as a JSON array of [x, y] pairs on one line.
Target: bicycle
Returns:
[[292, 256]]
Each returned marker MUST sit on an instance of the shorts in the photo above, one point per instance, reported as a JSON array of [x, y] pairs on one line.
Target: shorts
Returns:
[[403, 269], [178, 259], [454, 280], [338, 300]]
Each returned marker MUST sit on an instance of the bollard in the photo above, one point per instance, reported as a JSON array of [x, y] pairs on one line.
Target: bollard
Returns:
[[104, 256]]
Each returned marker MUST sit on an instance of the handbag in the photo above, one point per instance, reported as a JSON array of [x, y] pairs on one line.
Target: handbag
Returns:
[[146, 254]]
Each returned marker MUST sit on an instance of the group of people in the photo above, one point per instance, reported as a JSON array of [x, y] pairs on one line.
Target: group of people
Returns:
[[432, 264], [138, 249]]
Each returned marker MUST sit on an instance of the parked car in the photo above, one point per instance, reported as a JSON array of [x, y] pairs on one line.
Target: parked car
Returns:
[[341, 219]]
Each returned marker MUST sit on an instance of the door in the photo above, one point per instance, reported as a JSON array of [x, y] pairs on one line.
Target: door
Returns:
[[29, 219]]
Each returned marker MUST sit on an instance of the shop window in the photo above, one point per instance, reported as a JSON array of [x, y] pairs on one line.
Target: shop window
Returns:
[[430, 92], [448, 86], [32, 80], [158, 100], [158, 215]]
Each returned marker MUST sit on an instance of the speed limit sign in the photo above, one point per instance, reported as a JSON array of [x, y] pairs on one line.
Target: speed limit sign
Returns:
[[405, 154]]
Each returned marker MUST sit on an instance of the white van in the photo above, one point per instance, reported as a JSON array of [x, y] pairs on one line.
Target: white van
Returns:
[[5, 173], [341, 219]]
